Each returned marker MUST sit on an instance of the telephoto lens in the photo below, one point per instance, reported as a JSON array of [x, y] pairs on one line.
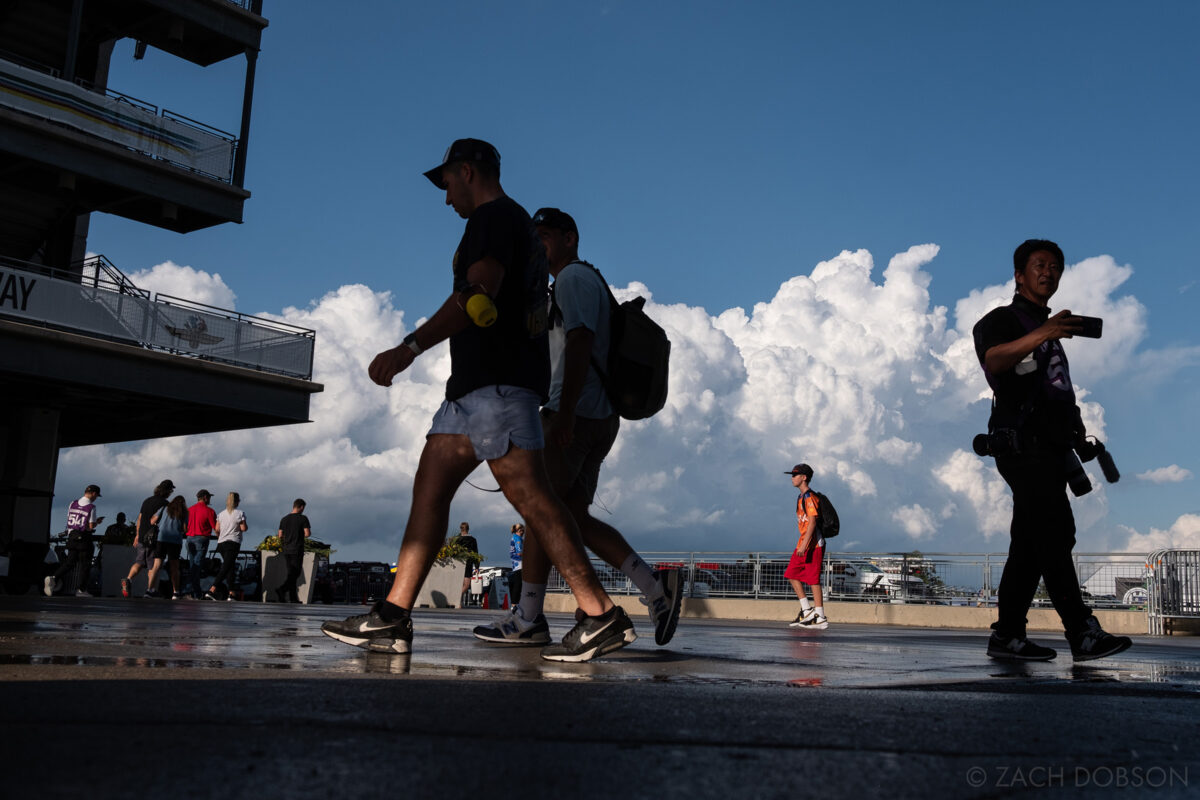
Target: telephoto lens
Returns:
[[1107, 465], [1077, 479], [981, 445]]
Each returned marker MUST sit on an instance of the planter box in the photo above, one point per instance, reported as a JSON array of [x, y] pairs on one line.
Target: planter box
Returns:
[[442, 587], [274, 572], [115, 561]]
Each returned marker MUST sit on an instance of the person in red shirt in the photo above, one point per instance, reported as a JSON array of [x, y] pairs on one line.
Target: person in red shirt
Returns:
[[201, 528], [805, 565]]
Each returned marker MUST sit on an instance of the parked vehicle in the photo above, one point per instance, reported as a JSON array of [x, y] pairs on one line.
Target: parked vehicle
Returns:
[[866, 579]]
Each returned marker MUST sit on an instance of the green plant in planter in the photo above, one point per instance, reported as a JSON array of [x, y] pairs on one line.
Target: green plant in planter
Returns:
[[453, 550], [274, 544]]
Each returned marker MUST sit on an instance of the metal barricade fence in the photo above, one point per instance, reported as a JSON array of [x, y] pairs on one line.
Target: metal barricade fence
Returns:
[[1107, 579], [1174, 588]]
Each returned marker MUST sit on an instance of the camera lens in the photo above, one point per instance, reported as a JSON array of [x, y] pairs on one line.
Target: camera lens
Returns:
[[1077, 479], [981, 445], [1108, 466]]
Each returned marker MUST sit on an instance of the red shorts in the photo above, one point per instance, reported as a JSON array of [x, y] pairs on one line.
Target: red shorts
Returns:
[[805, 568]]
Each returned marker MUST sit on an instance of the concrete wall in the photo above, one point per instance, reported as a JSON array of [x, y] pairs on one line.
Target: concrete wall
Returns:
[[921, 616]]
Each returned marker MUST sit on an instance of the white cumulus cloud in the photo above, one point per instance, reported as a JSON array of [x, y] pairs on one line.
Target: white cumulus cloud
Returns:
[[187, 283], [1170, 474], [854, 372], [1184, 534]]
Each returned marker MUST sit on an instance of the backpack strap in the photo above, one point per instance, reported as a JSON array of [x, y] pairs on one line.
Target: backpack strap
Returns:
[[556, 314]]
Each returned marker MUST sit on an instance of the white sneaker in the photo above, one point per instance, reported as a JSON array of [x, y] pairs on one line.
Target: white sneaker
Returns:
[[803, 619], [49, 585], [513, 629], [817, 621]]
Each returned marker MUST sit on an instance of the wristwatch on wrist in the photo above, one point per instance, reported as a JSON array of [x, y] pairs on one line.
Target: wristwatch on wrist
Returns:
[[410, 342]]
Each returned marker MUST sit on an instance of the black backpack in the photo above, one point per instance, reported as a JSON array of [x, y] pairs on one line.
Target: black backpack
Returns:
[[639, 354], [828, 524]]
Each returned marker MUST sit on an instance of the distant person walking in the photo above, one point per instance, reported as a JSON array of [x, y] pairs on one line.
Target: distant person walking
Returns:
[[81, 522], [172, 523], [804, 568], [516, 550], [202, 524], [580, 428], [294, 528], [145, 537], [468, 542], [232, 524]]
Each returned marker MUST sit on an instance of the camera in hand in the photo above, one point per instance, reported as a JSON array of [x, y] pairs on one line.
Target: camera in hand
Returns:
[[1000, 442], [1090, 327], [1077, 479], [1090, 448]]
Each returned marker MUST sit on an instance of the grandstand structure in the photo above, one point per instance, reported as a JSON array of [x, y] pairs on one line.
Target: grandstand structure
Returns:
[[86, 357]]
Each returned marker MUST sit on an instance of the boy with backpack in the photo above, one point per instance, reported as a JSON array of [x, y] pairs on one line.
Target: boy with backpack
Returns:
[[580, 421], [816, 519]]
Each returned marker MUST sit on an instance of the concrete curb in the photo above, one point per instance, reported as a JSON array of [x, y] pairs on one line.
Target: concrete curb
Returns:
[[1123, 623]]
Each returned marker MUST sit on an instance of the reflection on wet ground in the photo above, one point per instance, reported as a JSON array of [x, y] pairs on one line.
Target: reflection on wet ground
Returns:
[[244, 638]]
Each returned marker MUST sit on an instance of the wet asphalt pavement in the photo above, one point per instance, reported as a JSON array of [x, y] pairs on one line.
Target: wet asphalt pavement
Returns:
[[117, 698]]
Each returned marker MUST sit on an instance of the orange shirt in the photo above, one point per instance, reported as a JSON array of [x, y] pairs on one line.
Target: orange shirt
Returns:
[[806, 515]]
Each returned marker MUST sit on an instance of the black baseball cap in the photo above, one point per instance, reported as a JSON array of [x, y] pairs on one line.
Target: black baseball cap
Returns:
[[92, 488], [203, 493], [553, 218], [801, 469], [464, 150]]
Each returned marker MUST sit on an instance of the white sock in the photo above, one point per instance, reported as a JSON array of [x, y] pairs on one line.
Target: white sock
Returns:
[[642, 576], [805, 605], [820, 611], [533, 598]]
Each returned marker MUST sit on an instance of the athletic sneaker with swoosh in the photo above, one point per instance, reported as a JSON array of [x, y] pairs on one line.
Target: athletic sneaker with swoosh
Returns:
[[372, 632], [593, 636], [513, 629]]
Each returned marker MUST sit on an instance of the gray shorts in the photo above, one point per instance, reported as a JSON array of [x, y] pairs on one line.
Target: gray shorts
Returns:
[[492, 417], [143, 555], [575, 469]]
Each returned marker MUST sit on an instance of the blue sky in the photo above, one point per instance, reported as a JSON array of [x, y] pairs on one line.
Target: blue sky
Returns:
[[715, 151]]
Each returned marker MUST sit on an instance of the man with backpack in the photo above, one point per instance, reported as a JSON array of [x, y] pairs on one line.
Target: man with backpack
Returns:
[[804, 568], [499, 373], [580, 426]]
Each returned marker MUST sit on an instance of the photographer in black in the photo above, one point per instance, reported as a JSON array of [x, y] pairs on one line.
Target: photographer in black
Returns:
[[1033, 431]]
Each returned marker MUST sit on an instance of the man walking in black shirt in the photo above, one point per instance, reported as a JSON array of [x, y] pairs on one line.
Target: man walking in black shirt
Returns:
[[293, 530], [1036, 418], [495, 319]]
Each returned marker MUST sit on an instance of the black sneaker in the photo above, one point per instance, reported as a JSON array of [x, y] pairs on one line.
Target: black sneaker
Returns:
[[664, 611], [1095, 642], [513, 629], [1017, 648], [372, 632], [593, 636]]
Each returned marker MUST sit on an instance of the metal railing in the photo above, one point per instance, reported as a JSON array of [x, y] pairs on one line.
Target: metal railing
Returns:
[[1174, 588], [117, 118], [937, 578], [97, 299]]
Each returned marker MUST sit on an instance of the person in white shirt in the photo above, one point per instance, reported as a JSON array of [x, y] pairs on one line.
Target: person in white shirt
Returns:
[[231, 524]]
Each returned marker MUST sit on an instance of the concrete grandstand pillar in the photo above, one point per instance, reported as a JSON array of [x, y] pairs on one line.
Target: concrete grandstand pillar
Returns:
[[29, 459]]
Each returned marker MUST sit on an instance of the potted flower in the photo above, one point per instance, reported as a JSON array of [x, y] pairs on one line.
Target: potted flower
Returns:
[[274, 569]]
